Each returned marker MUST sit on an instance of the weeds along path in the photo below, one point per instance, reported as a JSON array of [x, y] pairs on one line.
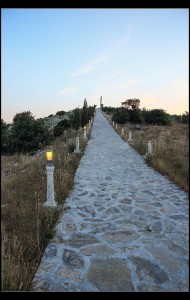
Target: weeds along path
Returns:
[[124, 227]]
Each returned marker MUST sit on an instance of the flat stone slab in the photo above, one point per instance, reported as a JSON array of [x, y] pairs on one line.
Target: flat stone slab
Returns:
[[68, 274], [120, 236], [72, 259], [145, 267], [164, 258], [78, 240], [99, 249], [50, 251], [110, 275]]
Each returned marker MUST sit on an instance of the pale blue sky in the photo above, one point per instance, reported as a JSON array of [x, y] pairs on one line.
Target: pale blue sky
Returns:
[[54, 58]]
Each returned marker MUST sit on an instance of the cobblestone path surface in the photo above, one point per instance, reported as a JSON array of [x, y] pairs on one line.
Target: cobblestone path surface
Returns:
[[124, 228]]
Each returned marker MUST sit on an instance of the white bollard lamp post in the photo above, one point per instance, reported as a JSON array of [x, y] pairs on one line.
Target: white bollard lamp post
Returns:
[[77, 150], [122, 131], [130, 137], [150, 148], [85, 132], [50, 202]]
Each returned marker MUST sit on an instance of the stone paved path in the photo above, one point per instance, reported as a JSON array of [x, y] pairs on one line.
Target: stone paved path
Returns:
[[125, 228]]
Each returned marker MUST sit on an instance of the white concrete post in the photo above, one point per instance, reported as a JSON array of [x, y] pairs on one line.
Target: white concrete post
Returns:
[[113, 123], [116, 126], [77, 143], [50, 186], [85, 132], [122, 131], [77, 150], [150, 148], [130, 137]]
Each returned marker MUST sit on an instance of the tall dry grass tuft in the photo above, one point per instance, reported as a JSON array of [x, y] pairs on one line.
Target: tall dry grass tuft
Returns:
[[170, 149], [171, 155], [26, 225]]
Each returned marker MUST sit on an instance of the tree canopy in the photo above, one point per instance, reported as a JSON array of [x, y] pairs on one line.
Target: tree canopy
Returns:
[[26, 134], [60, 113], [131, 103], [84, 114], [120, 115], [75, 118], [60, 127], [156, 117]]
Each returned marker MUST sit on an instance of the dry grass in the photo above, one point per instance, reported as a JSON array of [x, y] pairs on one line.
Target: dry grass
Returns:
[[170, 149], [26, 225]]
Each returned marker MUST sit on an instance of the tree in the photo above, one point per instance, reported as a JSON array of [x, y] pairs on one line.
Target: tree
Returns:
[[75, 118], [120, 115], [41, 134], [84, 114], [185, 117], [60, 113], [135, 115], [27, 133], [91, 111], [156, 117], [60, 127], [4, 136], [131, 103], [108, 109]]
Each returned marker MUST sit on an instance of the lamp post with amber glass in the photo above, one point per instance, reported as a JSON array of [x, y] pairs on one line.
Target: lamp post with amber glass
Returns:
[[50, 202]]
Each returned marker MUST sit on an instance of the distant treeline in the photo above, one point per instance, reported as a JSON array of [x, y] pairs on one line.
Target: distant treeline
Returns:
[[130, 112], [26, 134]]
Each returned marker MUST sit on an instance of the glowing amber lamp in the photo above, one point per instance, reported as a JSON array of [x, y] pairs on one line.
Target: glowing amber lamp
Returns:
[[49, 155]]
